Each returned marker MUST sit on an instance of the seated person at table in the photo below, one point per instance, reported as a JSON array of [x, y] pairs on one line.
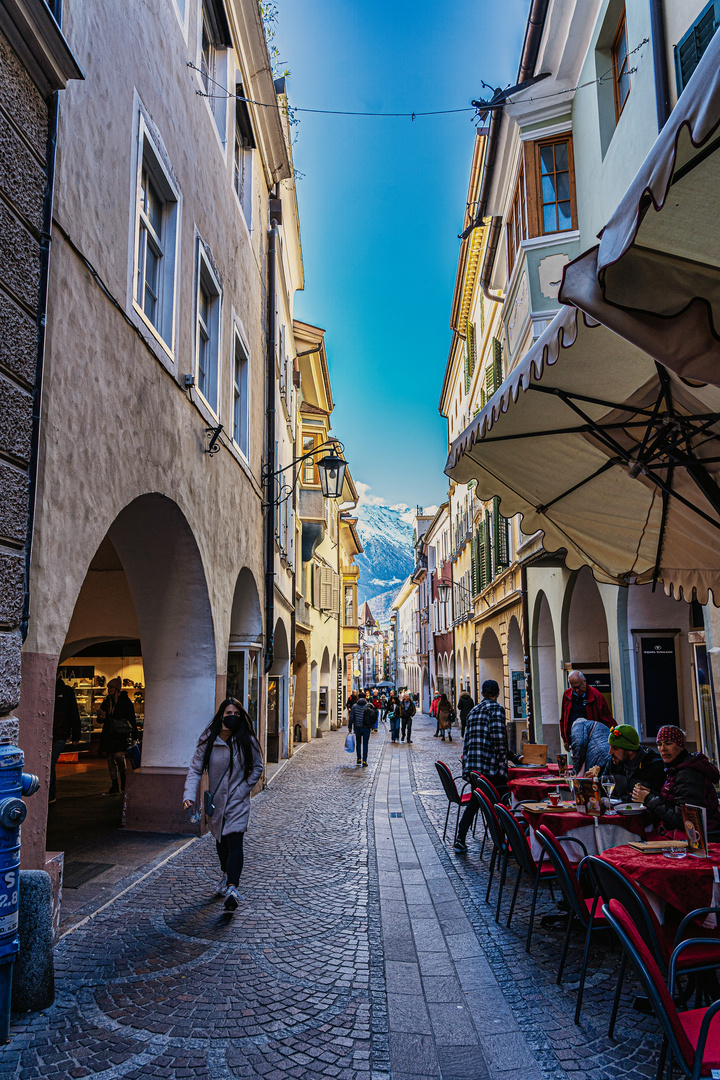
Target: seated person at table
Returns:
[[689, 778], [589, 745], [631, 764]]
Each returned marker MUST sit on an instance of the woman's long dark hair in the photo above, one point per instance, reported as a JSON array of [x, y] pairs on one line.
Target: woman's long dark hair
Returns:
[[242, 742]]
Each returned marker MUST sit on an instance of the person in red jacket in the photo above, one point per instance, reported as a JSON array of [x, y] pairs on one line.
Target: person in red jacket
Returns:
[[582, 702]]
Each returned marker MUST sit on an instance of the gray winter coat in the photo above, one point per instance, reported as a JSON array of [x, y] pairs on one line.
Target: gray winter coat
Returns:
[[232, 798]]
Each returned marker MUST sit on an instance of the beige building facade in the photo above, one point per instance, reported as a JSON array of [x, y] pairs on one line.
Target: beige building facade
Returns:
[[156, 355]]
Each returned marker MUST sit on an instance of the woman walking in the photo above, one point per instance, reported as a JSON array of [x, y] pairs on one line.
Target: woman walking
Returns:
[[445, 717], [230, 754]]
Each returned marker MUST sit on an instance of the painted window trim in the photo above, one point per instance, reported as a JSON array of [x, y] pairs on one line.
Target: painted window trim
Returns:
[[621, 29], [146, 143], [203, 264]]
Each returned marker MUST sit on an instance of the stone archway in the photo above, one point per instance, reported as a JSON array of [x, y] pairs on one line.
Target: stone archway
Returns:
[[147, 582], [314, 682], [546, 701], [324, 691], [244, 646], [516, 667], [301, 731], [277, 705], [490, 662]]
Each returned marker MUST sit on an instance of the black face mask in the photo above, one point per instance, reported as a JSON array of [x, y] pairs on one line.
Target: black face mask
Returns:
[[232, 722]]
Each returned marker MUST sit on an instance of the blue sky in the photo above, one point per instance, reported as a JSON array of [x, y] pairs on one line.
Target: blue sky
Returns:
[[381, 203]]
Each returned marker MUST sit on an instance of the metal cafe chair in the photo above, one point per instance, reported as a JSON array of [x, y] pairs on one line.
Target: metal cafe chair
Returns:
[[583, 911], [454, 797], [613, 883], [519, 847], [687, 1036]]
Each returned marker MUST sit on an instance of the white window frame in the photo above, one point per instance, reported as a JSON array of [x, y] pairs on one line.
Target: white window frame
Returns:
[[206, 277], [150, 157], [212, 75], [243, 444], [244, 165]]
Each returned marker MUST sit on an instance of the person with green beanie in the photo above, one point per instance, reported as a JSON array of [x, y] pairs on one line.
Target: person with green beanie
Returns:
[[632, 764]]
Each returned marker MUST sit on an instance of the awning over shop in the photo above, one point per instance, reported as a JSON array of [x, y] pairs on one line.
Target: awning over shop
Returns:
[[655, 276], [615, 459]]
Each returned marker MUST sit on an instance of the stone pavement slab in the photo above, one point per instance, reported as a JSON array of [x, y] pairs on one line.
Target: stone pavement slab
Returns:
[[432, 994]]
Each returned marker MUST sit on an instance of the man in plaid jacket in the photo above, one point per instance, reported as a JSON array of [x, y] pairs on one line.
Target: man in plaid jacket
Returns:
[[485, 750]]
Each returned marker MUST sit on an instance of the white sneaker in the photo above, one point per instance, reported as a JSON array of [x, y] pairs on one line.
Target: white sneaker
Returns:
[[222, 886], [232, 898]]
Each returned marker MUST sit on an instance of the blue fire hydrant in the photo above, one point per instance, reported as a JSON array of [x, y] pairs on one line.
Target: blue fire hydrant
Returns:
[[14, 783]]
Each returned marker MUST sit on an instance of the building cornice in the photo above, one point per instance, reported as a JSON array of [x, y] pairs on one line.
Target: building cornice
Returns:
[[39, 42]]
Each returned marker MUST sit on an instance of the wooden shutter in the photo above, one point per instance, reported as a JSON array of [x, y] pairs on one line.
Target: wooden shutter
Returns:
[[485, 554], [501, 538], [335, 592], [693, 44], [325, 590], [475, 564], [470, 347], [497, 367]]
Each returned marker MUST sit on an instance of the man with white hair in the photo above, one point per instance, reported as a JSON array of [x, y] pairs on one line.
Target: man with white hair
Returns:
[[582, 702]]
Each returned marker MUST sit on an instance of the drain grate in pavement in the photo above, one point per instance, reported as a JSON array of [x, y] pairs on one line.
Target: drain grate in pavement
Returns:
[[76, 874], [396, 813]]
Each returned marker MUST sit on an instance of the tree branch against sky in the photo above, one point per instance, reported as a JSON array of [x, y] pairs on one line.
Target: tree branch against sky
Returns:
[[381, 204]]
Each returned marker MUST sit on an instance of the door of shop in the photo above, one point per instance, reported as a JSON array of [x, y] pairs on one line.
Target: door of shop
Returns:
[[658, 680]]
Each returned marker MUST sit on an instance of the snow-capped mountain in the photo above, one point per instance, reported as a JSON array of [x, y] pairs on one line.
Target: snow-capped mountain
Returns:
[[386, 533]]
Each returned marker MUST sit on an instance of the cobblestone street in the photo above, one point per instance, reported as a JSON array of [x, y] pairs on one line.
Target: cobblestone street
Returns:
[[359, 953]]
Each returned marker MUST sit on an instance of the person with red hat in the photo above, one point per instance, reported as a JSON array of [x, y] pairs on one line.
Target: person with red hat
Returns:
[[689, 779]]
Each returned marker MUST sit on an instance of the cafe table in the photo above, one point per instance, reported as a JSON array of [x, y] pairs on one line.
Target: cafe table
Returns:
[[535, 788], [522, 772], [596, 833], [684, 884]]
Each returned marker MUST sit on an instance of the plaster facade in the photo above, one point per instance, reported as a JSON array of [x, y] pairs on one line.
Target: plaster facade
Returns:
[[124, 434]]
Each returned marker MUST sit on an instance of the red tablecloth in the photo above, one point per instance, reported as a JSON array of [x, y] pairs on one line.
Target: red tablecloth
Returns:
[[532, 788], [684, 883], [569, 820], [517, 772]]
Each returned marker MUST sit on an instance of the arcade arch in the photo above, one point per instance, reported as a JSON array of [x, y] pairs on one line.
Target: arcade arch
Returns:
[[490, 661], [546, 700]]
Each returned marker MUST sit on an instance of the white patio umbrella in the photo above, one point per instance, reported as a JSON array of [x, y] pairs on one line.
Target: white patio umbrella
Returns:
[[613, 457]]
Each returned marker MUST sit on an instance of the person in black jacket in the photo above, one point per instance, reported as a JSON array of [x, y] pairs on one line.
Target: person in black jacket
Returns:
[[407, 711], [66, 725], [117, 714], [631, 764], [689, 779], [361, 719], [465, 704]]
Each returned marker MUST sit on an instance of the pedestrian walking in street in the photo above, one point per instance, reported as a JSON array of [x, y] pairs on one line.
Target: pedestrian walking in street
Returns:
[[485, 751], [228, 751], [445, 717], [361, 719], [117, 715], [394, 715], [433, 712], [407, 711], [66, 725], [465, 704]]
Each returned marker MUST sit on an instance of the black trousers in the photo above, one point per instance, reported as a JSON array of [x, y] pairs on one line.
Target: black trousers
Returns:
[[470, 812], [230, 854], [362, 740], [406, 728]]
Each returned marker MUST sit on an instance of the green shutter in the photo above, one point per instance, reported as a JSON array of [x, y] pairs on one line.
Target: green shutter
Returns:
[[474, 565], [482, 312], [471, 349], [501, 538], [484, 554], [693, 44], [497, 364]]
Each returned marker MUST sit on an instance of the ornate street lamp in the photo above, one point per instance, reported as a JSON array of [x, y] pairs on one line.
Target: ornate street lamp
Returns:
[[331, 471], [444, 589]]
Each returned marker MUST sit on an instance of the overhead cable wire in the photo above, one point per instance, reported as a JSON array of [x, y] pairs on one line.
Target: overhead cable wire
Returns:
[[225, 94]]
